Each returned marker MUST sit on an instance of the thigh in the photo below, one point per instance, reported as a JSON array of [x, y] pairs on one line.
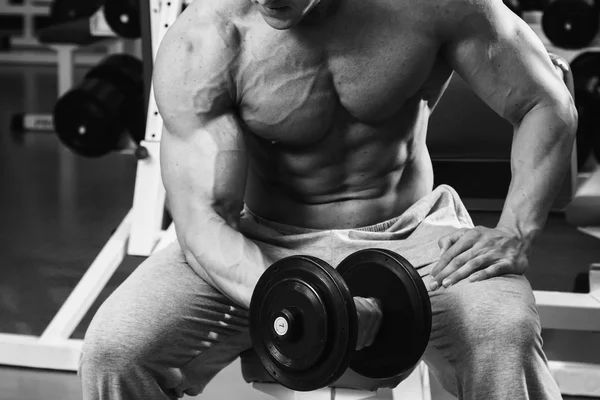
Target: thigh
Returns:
[[470, 320], [164, 315]]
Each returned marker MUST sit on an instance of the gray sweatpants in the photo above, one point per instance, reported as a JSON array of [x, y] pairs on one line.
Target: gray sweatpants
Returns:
[[165, 332]]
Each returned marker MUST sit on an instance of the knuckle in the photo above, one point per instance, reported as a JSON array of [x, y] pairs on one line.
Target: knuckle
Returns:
[[475, 277], [457, 275], [503, 268], [459, 261], [492, 270], [490, 243], [492, 253], [481, 232], [482, 275], [469, 267], [483, 258], [445, 258], [453, 266]]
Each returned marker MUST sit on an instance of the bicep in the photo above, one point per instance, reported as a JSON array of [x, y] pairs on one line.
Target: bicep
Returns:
[[203, 157], [205, 169], [503, 61]]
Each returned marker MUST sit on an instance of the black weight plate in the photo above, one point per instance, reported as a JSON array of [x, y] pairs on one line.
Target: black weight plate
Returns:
[[596, 146], [122, 70], [571, 24], [126, 73], [586, 71], [406, 324], [70, 10], [318, 347], [123, 16], [87, 119], [423, 295]]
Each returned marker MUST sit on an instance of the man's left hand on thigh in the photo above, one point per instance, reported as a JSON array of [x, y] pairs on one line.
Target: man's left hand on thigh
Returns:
[[479, 253]]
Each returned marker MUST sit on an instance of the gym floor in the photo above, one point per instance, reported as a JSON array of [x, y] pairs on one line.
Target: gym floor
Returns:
[[57, 210]]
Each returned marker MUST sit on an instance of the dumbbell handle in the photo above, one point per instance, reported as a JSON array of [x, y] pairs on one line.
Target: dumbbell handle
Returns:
[[369, 311]]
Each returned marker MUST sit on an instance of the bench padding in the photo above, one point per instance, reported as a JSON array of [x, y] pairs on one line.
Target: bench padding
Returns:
[[253, 371]]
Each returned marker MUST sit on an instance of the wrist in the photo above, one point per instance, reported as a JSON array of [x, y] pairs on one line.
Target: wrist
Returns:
[[525, 235]]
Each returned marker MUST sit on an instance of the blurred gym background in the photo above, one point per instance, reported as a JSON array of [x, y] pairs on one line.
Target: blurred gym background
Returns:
[[74, 89]]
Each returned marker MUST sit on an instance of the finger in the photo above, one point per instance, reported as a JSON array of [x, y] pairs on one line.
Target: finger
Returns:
[[496, 269], [369, 320], [360, 342], [466, 241], [374, 323], [458, 263], [375, 331], [445, 243], [370, 309], [362, 324], [448, 240], [359, 334], [471, 267]]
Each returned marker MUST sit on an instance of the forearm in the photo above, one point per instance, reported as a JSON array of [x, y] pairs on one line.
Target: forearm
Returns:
[[222, 256], [541, 153]]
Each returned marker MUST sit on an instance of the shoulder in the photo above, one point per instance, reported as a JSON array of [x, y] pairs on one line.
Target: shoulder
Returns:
[[460, 9], [208, 26], [460, 17], [447, 19], [478, 14], [193, 68], [201, 47]]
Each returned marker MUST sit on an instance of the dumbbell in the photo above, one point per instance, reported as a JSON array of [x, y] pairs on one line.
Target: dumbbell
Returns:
[[304, 326], [586, 77], [123, 17], [62, 11], [106, 110], [571, 24]]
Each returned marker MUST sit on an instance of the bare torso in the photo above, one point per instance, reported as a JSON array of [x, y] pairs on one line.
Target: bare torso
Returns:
[[336, 115]]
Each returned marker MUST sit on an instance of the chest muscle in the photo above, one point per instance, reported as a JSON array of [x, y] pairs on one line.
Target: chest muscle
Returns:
[[302, 89]]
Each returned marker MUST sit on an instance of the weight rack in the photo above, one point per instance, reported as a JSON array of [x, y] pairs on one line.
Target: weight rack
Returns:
[[140, 233], [28, 10], [24, 45]]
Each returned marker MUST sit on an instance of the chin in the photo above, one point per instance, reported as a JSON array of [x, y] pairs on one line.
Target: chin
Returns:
[[280, 23]]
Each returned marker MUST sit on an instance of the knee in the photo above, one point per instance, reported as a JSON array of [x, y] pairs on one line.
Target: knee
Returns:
[[110, 348], [107, 355], [501, 321], [508, 327]]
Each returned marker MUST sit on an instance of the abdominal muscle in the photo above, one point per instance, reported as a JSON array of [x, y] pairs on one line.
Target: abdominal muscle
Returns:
[[355, 176]]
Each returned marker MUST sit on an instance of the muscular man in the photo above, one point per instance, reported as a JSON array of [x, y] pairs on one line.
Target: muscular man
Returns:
[[298, 127]]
